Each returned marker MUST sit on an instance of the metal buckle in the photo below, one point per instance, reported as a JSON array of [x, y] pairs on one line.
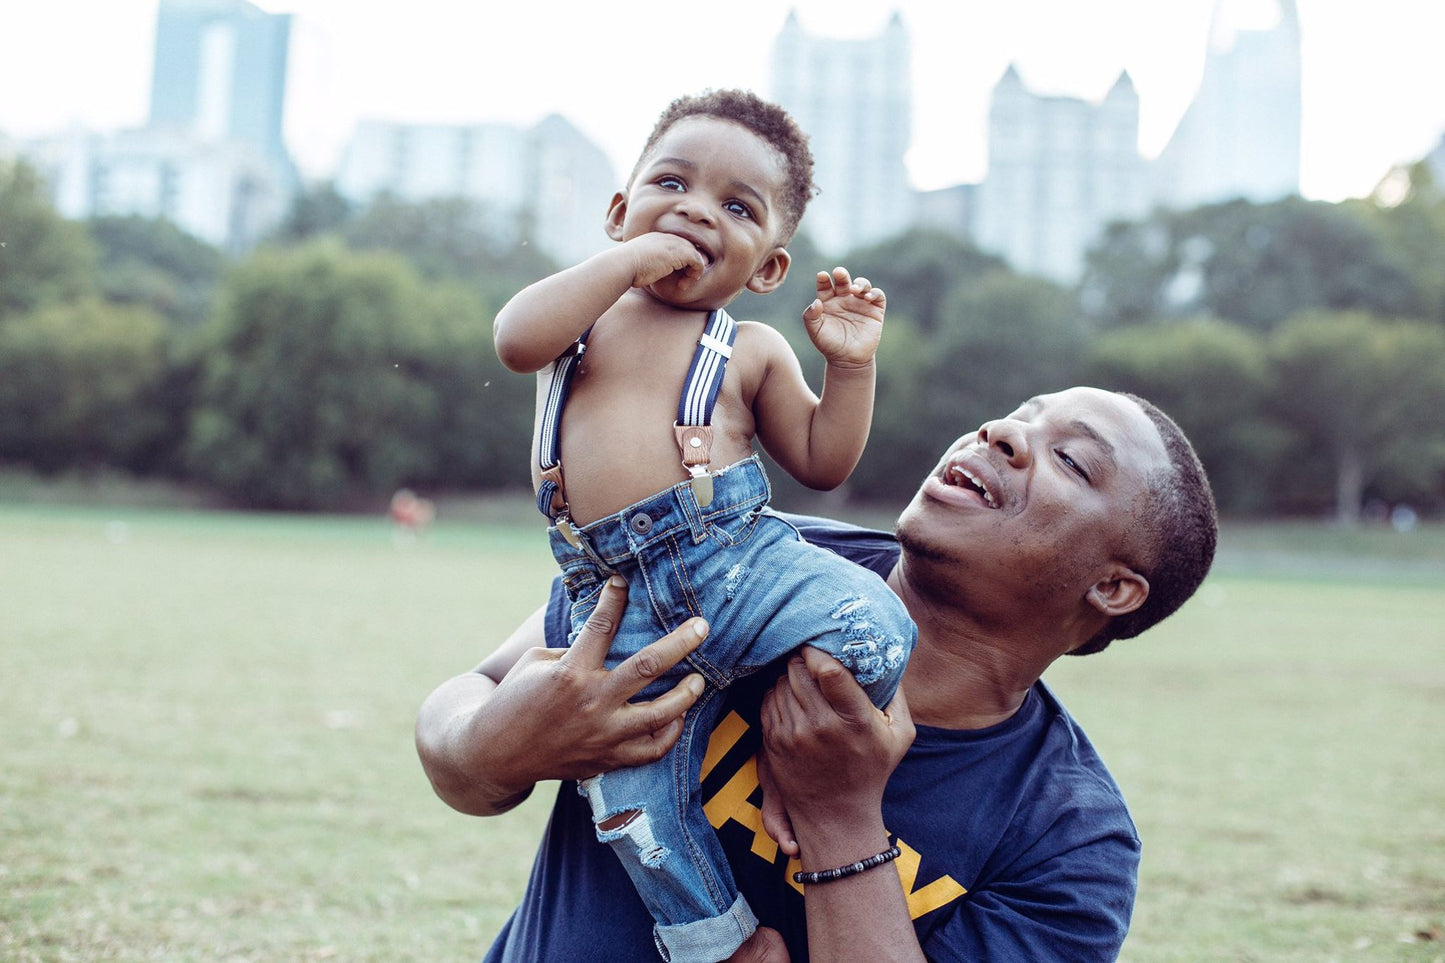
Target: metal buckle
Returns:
[[564, 525], [701, 485]]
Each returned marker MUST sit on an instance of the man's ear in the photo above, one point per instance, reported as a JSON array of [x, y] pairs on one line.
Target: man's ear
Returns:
[[616, 214], [1122, 591], [771, 273]]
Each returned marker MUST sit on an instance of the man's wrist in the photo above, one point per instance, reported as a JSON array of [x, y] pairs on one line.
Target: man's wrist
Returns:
[[832, 843]]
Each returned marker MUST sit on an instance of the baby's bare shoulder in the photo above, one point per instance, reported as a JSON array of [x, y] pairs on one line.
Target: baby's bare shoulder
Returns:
[[760, 342]]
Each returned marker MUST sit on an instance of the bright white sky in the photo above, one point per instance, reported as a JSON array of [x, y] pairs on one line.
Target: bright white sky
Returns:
[[1374, 75]]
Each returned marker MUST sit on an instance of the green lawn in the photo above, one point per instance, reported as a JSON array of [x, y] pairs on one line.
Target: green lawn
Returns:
[[207, 741]]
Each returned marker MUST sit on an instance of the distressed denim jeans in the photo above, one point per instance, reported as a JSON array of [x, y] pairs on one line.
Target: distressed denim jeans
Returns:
[[764, 592]]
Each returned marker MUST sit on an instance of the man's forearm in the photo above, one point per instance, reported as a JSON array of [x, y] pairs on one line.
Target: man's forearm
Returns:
[[449, 731], [861, 917]]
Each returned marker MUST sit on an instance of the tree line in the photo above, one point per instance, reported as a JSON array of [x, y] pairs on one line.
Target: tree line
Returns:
[[1300, 344]]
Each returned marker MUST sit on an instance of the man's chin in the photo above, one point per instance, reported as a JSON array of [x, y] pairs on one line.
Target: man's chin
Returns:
[[915, 547]]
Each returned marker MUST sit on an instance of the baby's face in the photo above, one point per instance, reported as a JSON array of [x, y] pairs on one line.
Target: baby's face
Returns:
[[718, 186]]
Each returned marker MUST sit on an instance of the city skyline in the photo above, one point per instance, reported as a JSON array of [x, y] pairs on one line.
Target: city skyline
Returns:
[[1368, 83]]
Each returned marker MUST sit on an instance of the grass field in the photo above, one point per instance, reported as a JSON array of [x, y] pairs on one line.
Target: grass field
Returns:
[[207, 753]]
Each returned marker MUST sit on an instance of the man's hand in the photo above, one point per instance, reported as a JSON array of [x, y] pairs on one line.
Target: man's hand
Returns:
[[657, 255], [828, 753], [555, 714], [845, 321], [570, 715]]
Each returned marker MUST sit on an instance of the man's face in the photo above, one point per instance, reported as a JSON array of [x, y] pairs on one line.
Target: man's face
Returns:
[[1031, 508], [719, 186]]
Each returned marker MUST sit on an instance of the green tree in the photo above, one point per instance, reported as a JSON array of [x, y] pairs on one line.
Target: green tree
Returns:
[[1212, 378], [1253, 264], [1010, 337], [314, 212], [44, 259], [453, 238], [920, 269], [315, 387], [80, 385], [151, 262], [1366, 394], [1409, 209]]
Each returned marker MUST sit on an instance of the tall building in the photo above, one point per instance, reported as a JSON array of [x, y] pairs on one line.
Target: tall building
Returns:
[[224, 192], [211, 160], [1059, 169], [220, 73], [547, 184], [854, 99], [1240, 137]]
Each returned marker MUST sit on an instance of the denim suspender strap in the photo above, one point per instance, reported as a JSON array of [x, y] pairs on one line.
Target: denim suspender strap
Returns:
[[693, 428]]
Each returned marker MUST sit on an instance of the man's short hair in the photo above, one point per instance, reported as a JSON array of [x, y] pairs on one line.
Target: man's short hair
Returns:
[[1182, 527], [768, 121]]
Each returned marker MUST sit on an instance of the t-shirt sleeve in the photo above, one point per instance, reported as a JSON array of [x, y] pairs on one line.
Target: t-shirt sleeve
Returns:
[[1071, 905]]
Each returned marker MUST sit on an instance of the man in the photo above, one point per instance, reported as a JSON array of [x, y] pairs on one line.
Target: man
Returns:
[[1082, 517]]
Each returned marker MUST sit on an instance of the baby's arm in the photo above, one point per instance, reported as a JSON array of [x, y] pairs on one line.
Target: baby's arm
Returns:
[[540, 322], [819, 440]]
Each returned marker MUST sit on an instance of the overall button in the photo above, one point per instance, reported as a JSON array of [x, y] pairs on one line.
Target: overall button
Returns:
[[641, 523]]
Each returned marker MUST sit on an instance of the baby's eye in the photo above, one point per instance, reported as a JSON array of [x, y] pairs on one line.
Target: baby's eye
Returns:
[[738, 209], [670, 183]]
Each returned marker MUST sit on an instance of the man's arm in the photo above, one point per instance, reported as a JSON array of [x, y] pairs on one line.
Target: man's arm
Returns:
[[825, 745], [529, 714], [829, 753]]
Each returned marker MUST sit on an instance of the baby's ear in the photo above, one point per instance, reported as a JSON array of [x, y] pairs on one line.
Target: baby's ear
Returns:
[[771, 273], [616, 214]]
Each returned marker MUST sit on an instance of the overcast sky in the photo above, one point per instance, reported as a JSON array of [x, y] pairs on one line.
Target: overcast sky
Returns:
[[1374, 72]]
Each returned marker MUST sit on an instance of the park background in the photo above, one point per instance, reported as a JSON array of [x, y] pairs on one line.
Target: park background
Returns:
[[213, 642]]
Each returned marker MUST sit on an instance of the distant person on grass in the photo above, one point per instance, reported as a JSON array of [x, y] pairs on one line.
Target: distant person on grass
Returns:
[[651, 396], [1080, 518]]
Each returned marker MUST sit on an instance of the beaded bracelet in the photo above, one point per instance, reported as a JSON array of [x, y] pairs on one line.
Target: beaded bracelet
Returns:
[[852, 869]]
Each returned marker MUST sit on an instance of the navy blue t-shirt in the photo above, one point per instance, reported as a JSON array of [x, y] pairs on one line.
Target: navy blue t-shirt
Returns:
[[1016, 842]]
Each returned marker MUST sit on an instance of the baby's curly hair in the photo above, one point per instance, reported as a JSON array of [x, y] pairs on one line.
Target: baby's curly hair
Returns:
[[768, 121]]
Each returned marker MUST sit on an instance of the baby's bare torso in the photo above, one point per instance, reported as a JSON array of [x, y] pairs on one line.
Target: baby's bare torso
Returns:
[[617, 439]]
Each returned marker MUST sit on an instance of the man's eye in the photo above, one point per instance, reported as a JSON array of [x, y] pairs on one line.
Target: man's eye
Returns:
[[738, 209], [1072, 465]]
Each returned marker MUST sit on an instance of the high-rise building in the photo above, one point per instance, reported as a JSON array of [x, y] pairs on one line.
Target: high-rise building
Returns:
[[211, 160], [220, 73], [224, 192], [1059, 169], [854, 100], [547, 184], [1240, 137]]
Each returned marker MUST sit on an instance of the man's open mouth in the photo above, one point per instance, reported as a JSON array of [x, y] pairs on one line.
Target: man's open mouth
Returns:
[[960, 477]]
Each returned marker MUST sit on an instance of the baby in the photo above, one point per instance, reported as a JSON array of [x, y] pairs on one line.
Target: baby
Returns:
[[651, 395]]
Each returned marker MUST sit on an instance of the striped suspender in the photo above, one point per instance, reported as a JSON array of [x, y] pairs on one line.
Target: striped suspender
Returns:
[[693, 429], [551, 501], [694, 414]]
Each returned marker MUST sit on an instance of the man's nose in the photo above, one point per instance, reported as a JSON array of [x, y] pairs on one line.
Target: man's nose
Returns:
[[1008, 437]]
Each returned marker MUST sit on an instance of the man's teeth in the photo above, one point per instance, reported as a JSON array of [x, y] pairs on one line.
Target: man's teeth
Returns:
[[957, 473]]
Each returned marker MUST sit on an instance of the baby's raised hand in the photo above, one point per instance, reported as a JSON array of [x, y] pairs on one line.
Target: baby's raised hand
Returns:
[[845, 322], [657, 255]]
